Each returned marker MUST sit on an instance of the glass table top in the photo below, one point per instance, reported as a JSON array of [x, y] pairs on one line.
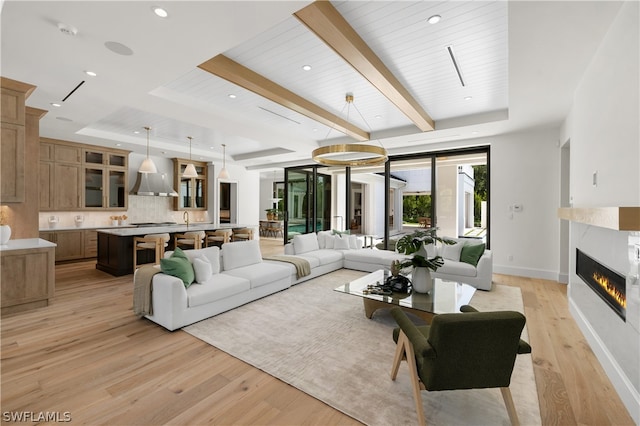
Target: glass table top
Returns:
[[446, 296]]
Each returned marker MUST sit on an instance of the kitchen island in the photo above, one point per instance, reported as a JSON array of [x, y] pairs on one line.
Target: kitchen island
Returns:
[[115, 245]]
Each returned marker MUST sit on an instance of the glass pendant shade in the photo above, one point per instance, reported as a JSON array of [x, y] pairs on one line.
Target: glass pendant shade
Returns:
[[190, 171], [224, 174], [148, 165]]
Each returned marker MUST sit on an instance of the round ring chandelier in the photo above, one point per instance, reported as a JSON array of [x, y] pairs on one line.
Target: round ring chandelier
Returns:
[[378, 155], [343, 154]]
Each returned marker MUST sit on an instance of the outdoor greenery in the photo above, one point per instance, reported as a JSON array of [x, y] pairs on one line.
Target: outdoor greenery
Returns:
[[480, 193], [415, 206]]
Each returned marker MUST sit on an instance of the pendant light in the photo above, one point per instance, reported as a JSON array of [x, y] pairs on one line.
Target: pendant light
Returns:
[[224, 174], [190, 170], [147, 165]]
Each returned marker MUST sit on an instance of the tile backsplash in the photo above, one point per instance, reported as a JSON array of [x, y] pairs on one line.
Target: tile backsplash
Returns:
[[141, 209]]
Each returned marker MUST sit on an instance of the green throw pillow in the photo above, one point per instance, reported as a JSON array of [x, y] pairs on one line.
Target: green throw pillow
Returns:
[[336, 232], [471, 253], [178, 265]]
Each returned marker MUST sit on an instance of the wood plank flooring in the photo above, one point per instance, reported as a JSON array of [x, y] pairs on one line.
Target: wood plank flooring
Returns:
[[88, 355]]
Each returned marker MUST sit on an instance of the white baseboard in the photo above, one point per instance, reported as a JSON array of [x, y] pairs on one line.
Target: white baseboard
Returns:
[[628, 394], [525, 272], [563, 278]]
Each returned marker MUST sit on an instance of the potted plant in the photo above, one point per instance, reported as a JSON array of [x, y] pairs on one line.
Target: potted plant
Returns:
[[272, 214], [414, 245]]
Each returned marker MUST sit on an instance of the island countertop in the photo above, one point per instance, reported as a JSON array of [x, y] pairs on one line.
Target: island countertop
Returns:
[[170, 229]]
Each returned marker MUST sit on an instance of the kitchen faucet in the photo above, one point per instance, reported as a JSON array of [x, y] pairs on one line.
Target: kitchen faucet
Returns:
[[185, 217]]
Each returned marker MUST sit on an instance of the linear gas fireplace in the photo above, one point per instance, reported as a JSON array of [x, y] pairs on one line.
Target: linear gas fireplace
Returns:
[[608, 284]]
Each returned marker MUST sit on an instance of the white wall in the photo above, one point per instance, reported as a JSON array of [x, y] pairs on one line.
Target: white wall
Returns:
[[524, 170], [604, 130]]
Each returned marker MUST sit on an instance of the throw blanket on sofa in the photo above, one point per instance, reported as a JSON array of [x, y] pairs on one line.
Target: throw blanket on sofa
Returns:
[[302, 265], [142, 290]]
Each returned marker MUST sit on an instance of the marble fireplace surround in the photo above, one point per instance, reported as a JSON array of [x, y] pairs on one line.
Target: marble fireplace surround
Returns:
[[610, 235]]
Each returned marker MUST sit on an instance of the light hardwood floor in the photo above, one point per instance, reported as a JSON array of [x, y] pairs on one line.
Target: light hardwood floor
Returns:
[[87, 354]]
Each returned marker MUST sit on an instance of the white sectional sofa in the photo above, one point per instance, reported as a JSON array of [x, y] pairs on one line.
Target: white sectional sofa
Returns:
[[237, 274]]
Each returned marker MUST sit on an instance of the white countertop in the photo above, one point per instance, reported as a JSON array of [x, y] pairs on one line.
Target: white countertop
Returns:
[[122, 231], [26, 243]]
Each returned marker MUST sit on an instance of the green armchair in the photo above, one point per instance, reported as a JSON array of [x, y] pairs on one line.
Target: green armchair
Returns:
[[468, 350]]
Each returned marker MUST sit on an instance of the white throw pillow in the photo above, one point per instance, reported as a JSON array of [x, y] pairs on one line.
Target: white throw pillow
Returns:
[[452, 252], [431, 250], [202, 269], [305, 243], [212, 254], [341, 242], [322, 238], [353, 242], [329, 241]]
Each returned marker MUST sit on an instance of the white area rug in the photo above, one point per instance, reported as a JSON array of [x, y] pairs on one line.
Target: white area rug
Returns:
[[319, 341]]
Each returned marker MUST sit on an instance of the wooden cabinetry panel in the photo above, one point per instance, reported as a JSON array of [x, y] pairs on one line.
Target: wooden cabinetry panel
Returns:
[[28, 279], [45, 187], [67, 154], [90, 243], [12, 106], [12, 163], [67, 186], [46, 151], [70, 245]]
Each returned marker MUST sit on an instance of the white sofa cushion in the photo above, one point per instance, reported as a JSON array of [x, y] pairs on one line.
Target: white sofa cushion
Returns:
[[326, 256], [341, 242], [260, 274], [240, 253], [218, 286], [378, 257], [313, 261], [322, 238], [452, 251], [305, 243], [452, 267]]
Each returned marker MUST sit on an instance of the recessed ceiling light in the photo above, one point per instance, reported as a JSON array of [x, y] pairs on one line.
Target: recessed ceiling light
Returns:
[[67, 29], [378, 117], [118, 144], [160, 12], [434, 19], [232, 96], [306, 67], [475, 132], [136, 131], [56, 105], [468, 98], [90, 73]]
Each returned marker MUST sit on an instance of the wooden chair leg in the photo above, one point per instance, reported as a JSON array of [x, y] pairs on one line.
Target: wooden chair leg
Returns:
[[397, 359], [413, 372], [511, 408]]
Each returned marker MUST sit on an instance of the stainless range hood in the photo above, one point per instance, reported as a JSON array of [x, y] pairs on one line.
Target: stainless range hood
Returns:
[[154, 184]]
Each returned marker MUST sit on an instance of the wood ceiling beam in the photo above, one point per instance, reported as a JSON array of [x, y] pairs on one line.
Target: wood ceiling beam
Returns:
[[326, 22], [242, 76]]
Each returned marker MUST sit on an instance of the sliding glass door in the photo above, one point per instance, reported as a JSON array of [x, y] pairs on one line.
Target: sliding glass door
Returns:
[[307, 201]]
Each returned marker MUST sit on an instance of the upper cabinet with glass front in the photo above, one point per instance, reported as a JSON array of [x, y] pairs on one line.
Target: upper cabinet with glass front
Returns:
[[192, 191], [81, 177]]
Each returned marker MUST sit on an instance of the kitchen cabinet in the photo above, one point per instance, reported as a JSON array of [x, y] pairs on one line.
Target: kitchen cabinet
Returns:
[[90, 243], [192, 192], [27, 274], [70, 244], [82, 177], [12, 134]]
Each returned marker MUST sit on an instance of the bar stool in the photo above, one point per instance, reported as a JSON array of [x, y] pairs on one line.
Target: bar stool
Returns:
[[155, 242], [242, 234], [275, 228], [217, 237], [191, 239]]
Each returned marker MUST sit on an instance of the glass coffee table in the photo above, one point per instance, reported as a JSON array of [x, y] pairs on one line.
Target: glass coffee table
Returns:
[[446, 297]]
